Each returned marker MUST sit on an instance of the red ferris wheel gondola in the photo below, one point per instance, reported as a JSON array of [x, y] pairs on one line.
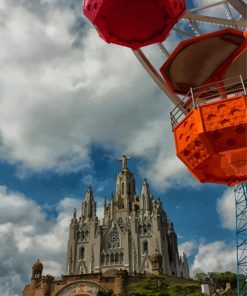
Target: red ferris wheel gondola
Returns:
[[134, 23]]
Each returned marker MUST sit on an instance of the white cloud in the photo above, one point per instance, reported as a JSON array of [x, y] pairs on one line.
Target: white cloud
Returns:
[[166, 170], [187, 247], [213, 257], [226, 209], [60, 94], [26, 234], [68, 204], [14, 208]]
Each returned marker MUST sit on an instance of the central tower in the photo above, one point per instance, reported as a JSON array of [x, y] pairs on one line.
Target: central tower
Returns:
[[125, 188]]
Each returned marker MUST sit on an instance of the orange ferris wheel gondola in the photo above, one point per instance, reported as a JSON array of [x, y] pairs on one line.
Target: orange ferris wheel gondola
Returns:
[[211, 139]]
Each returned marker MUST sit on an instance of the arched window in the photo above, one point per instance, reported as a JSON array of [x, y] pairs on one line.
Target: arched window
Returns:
[[117, 259], [144, 229], [112, 258], [129, 190], [121, 258], [82, 253], [107, 259], [122, 187], [145, 247]]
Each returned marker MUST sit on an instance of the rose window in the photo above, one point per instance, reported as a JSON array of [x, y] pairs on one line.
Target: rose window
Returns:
[[114, 240]]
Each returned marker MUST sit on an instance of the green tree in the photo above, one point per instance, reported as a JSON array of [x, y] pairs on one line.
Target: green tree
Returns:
[[157, 286], [183, 290], [150, 286], [201, 276], [221, 278]]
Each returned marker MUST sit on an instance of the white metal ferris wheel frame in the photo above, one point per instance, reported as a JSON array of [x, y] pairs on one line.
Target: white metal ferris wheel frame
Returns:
[[192, 17]]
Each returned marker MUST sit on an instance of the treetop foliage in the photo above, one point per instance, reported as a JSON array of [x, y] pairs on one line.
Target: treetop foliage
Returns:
[[219, 278], [157, 286]]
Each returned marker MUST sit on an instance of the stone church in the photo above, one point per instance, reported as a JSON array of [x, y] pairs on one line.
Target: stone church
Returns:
[[135, 239], [135, 235]]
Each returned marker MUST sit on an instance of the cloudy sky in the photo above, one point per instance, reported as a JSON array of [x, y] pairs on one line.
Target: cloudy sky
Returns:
[[69, 105]]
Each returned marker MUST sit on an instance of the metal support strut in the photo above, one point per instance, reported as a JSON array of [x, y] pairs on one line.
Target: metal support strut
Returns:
[[240, 192]]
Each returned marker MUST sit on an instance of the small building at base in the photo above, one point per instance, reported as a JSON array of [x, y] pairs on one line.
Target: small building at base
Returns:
[[77, 285]]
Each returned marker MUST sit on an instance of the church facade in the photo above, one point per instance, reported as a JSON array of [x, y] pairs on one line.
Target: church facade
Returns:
[[135, 239], [135, 235]]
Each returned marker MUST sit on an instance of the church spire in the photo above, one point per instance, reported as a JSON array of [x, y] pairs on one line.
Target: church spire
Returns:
[[105, 205], [170, 228], [145, 188], [89, 205], [145, 198], [74, 214], [74, 218]]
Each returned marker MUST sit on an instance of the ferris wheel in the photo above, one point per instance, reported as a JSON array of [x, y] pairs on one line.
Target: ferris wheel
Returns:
[[203, 72], [187, 23]]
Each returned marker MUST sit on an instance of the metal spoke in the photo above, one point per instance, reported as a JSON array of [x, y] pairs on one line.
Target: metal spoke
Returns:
[[194, 27], [207, 6], [240, 6], [228, 11], [183, 32], [156, 76], [215, 20], [163, 49]]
